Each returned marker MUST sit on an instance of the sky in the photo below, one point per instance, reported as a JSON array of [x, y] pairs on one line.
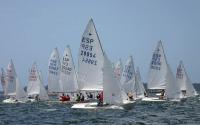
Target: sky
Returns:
[[30, 29]]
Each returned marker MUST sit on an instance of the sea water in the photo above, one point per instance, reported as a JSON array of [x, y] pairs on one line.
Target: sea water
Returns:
[[142, 113]]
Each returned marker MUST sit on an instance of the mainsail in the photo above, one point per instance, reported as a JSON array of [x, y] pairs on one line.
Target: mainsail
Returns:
[[35, 86], [3, 82], [90, 60], [118, 69], [158, 69], [54, 72], [112, 93], [184, 82], [68, 78], [128, 76]]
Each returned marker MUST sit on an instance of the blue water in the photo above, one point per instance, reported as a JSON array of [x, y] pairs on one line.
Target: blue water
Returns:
[[165, 113]]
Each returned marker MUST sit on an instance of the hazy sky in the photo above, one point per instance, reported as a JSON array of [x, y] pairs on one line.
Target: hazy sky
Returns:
[[30, 29]]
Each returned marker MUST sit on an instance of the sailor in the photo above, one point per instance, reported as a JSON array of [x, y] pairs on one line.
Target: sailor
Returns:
[[64, 98], [130, 96], [100, 98], [37, 98], [162, 94], [78, 97], [82, 97], [145, 94], [183, 92]]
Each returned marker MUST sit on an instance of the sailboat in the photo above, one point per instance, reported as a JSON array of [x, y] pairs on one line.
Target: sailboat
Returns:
[[13, 88], [161, 78], [90, 60], [128, 77], [3, 82], [183, 80], [68, 77], [35, 87], [113, 95], [118, 69], [54, 72]]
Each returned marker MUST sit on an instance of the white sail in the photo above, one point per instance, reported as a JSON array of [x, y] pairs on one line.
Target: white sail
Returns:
[[54, 72], [139, 87], [21, 95], [112, 93], [90, 60], [172, 88], [118, 69], [184, 82], [10, 80], [158, 69], [3, 82], [43, 93], [128, 76], [13, 87], [68, 79], [35, 86]]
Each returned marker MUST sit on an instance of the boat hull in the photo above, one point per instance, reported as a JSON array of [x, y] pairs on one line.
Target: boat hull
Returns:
[[12, 101], [153, 99], [94, 105]]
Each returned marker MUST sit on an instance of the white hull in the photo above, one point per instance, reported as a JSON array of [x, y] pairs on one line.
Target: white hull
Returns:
[[12, 101], [153, 99], [93, 105]]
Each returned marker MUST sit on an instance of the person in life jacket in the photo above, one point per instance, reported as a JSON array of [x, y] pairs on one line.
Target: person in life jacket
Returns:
[[100, 98], [82, 97], [162, 94], [130, 96], [78, 97], [64, 98]]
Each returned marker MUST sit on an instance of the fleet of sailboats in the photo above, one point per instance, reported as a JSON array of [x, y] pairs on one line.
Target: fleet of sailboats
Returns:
[[96, 73]]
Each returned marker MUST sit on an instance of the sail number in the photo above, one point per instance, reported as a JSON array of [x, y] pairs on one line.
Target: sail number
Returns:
[[179, 73], [87, 51], [127, 72], [53, 68], [156, 63]]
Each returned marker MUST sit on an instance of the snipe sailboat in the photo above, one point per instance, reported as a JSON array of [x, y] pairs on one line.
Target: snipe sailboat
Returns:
[[13, 88], [161, 78], [35, 87], [183, 80]]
